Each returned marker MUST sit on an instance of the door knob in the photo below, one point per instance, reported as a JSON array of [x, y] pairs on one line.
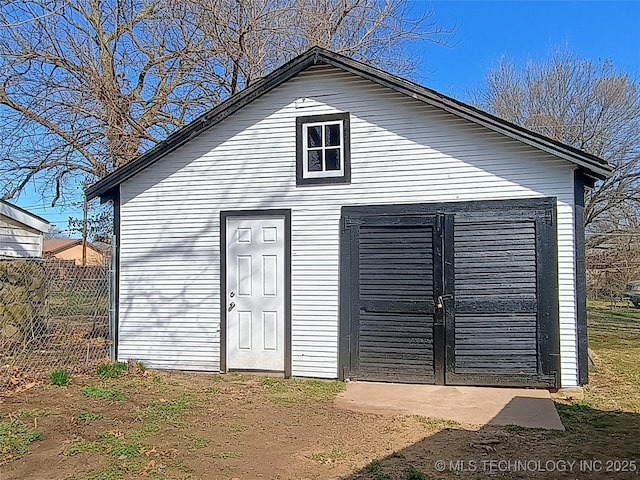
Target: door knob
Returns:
[[232, 294], [232, 306]]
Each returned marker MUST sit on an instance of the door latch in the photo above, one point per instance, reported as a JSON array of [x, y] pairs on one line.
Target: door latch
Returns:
[[441, 299]]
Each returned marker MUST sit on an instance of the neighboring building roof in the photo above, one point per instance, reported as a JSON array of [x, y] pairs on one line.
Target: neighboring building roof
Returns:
[[57, 245], [24, 217], [590, 164]]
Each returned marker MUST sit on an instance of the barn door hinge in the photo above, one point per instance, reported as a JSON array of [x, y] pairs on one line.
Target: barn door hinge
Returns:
[[546, 216], [350, 222]]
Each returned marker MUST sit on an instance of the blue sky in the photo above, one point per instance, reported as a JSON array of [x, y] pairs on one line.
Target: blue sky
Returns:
[[522, 30], [487, 31]]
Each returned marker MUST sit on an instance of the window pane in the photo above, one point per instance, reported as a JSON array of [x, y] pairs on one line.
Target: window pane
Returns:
[[314, 160], [332, 135], [314, 136], [332, 158]]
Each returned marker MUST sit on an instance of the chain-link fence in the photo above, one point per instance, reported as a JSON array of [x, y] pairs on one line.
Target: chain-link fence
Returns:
[[612, 260], [54, 315]]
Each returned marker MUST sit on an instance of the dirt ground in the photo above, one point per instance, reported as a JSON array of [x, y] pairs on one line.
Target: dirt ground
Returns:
[[222, 427]]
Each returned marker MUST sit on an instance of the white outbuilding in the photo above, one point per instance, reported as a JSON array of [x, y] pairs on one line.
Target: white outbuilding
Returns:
[[336, 221], [21, 232]]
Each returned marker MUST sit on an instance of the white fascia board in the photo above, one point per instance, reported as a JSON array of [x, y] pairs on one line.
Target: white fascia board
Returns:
[[24, 217]]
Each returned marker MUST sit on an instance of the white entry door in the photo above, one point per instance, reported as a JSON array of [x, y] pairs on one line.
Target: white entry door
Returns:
[[255, 293]]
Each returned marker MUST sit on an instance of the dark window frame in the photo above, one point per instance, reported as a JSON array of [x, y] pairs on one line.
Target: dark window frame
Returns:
[[346, 149]]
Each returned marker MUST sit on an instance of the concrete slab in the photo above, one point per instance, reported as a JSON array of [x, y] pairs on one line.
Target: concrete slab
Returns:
[[470, 405]]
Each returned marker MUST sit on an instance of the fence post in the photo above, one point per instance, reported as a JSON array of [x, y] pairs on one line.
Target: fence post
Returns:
[[112, 300]]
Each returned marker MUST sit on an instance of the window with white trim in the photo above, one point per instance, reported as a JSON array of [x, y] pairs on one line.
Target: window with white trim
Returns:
[[322, 149]]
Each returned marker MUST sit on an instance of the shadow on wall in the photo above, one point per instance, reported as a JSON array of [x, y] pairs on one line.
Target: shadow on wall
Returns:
[[158, 298], [169, 291], [597, 444], [162, 310]]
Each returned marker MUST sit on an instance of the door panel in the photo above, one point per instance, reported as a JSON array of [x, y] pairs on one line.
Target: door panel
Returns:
[[461, 293], [255, 293], [495, 335], [394, 307], [495, 263]]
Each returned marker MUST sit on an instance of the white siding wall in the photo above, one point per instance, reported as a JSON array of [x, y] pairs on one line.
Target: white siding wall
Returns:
[[17, 240], [402, 152]]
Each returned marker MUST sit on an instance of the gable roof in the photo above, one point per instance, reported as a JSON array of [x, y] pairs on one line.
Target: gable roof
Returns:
[[56, 245], [593, 166], [24, 217]]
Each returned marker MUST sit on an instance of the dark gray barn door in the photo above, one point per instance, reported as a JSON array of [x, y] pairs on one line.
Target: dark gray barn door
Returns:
[[493, 264], [496, 304], [498, 333], [396, 265]]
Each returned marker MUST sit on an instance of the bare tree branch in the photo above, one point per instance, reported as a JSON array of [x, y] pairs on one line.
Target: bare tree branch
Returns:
[[88, 85], [586, 105]]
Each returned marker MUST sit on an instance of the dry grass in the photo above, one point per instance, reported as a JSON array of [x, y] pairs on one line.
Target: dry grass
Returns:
[[191, 426], [614, 339]]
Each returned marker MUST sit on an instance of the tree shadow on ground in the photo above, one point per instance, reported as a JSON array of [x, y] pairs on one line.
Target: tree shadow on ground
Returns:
[[597, 444]]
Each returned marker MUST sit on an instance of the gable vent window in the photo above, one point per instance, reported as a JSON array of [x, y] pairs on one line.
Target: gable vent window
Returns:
[[322, 149]]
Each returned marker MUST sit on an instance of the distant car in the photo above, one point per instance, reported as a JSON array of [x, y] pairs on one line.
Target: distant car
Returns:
[[632, 293]]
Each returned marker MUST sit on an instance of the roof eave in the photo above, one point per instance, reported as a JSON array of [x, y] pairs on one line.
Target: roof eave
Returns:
[[67, 246], [204, 122], [24, 217], [63, 247], [590, 164]]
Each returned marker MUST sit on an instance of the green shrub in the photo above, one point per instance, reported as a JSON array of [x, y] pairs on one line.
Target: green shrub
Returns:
[[87, 415], [15, 439], [59, 377], [413, 474], [112, 370], [101, 393], [168, 411], [373, 466]]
